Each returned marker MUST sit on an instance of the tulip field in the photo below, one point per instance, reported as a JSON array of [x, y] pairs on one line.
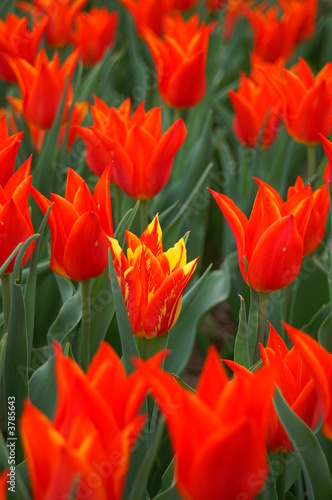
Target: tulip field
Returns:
[[166, 202]]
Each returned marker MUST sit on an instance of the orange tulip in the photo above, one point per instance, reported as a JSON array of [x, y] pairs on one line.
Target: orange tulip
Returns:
[[142, 157], [257, 107], [152, 281], [148, 13], [60, 18], [296, 385], [218, 433], [180, 59], [15, 221], [93, 33], [272, 239], [9, 146], [307, 102], [81, 227], [17, 41], [319, 363], [42, 87], [320, 207], [96, 423]]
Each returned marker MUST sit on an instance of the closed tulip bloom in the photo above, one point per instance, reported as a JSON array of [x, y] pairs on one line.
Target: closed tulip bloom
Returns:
[[42, 87], [9, 146], [307, 102], [296, 385], [17, 41], [217, 433], [15, 221], [81, 227], [94, 32], [271, 240], [315, 230], [148, 13], [180, 59], [96, 423], [319, 363], [257, 108], [152, 281], [141, 155]]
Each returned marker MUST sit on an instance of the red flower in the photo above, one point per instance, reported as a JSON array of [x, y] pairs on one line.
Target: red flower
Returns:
[[218, 432], [148, 13], [42, 87], [320, 206], [319, 363], [93, 33], [213, 5], [9, 146], [17, 41], [272, 239], [152, 281], [180, 59], [81, 227], [184, 4], [142, 157]]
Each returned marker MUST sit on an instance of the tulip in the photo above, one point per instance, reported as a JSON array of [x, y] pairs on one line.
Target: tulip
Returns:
[[214, 5], [307, 102], [15, 221], [319, 363], [17, 41], [184, 4], [315, 230], [42, 87], [148, 13], [180, 59], [93, 33], [257, 108], [218, 432], [234, 10], [142, 157], [271, 240], [81, 227], [152, 281], [296, 385], [327, 145], [95, 425], [9, 146]]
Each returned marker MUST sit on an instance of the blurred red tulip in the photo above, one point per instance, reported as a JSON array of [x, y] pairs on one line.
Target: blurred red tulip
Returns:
[[319, 363], [81, 227], [218, 433], [152, 281], [42, 87], [148, 13], [94, 32], [180, 59], [213, 5], [9, 146], [184, 4], [271, 240]]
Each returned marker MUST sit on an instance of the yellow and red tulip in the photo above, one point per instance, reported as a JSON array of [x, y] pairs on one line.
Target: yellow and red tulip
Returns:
[[94, 32], [220, 451], [319, 363], [152, 281], [81, 227], [142, 156], [271, 240], [180, 59]]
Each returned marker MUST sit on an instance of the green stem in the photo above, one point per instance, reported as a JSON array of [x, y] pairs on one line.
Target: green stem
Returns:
[[144, 215], [311, 161], [86, 324], [5, 283], [117, 205], [263, 301], [176, 114], [281, 478], [144, 347]]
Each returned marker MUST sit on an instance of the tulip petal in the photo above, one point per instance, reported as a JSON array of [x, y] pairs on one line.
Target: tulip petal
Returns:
[[18, 177], [212, 380], [277, 257], [152, 237], [86, 250], [102, 197]]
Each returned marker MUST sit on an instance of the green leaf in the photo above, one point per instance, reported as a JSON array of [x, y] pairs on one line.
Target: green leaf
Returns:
[[215, 289], [325, 333], [313, 460], [193, 291], [125, 223], [8, 261], [128, 344], [66, 287], [42, 387], [241, 347], [68, 318]]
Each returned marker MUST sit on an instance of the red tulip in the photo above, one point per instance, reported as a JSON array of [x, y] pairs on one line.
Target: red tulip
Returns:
[[142, 157], [152, 281], [218, 432], [81, 227], [271, 240], [180, 59], [148, 13], [15, 221], [42, 87], [319, 363], [17, 41], [93, 33], [184, 4], [9, 146]]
